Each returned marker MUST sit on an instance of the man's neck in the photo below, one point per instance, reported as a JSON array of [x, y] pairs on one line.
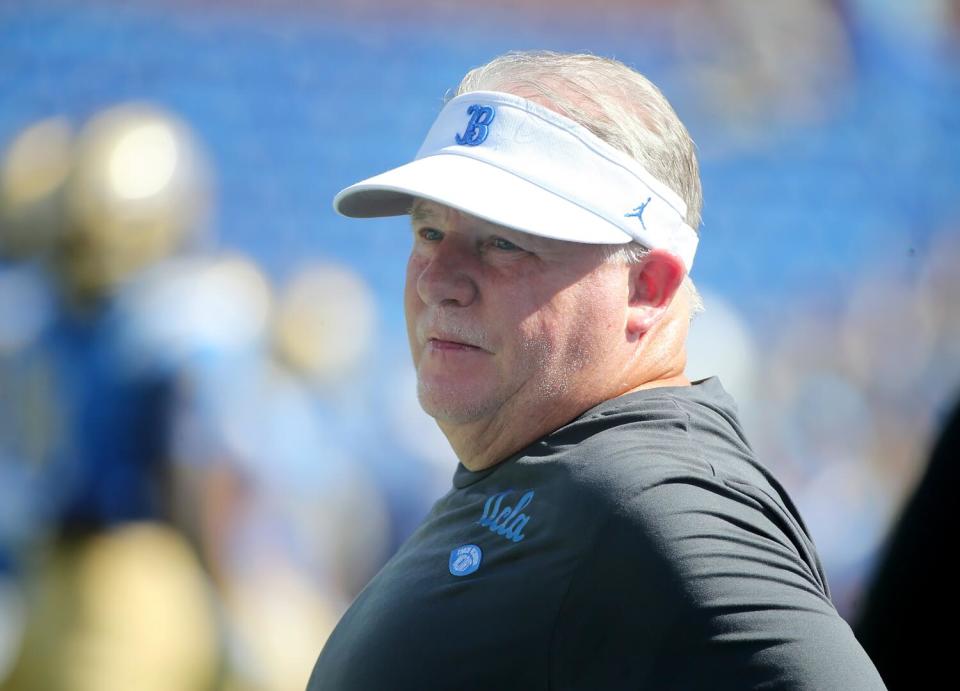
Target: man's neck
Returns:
[[482, 444], [485, 443], [676, 380]]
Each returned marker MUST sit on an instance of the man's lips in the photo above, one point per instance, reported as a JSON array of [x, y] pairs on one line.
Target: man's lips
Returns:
[[451, 337], [445, 344]]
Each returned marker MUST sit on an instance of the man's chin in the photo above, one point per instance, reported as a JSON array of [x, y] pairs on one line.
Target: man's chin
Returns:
[[454, 408]]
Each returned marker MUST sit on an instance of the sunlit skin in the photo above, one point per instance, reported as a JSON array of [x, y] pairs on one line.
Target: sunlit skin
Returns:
[[513, 335]]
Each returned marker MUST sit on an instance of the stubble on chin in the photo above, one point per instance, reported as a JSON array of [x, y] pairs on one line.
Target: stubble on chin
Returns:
[[444, 403], [544, 377], [450, 407]]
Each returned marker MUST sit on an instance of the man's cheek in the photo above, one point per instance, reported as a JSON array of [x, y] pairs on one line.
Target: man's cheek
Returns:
[[537, 341], [416, 263], [412, 307]]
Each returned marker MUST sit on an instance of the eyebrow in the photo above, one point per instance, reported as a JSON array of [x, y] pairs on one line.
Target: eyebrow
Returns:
[[420, 212]]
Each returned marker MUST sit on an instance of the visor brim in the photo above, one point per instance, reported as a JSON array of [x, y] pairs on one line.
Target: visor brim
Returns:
[[479, 189]]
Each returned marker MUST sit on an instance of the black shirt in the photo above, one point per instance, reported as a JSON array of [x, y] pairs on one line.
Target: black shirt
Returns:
[[639, 546]]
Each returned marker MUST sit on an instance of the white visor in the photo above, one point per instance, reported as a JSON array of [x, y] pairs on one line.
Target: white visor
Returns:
[[517, 164]]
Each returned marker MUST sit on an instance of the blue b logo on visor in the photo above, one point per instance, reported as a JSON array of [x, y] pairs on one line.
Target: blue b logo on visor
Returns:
[[479, 126]]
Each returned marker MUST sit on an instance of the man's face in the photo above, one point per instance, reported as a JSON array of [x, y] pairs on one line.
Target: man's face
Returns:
[[505, 323]]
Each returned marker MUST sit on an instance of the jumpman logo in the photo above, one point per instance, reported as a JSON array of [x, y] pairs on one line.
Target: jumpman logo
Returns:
[[638, 212], [479, 126]]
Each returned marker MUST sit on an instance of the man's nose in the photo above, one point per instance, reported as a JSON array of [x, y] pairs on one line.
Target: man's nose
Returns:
[[449, 276]]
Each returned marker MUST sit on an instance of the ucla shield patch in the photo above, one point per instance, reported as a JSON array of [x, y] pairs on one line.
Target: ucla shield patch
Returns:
[[465, 559]]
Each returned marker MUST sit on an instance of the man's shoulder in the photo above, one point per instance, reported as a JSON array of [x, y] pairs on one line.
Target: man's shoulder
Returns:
[[654, 436], [671, 461]]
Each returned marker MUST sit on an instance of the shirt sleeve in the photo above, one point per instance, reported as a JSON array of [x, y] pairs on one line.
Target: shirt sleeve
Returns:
[[695, 583]]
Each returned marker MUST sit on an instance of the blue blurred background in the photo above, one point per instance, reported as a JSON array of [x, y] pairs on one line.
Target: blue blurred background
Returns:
[[209, 436]]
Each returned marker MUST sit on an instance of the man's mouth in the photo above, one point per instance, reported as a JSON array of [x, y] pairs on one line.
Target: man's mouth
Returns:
[[438, 336], [445, 344]]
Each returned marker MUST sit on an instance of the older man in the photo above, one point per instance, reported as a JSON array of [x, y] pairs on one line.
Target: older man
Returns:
[[608, 526]]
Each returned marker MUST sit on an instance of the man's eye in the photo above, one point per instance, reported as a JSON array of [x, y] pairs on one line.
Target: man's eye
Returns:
[[430, 234], [502, 244]]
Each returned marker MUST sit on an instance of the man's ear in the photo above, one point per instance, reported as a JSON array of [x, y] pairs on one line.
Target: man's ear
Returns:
[[653, 282]]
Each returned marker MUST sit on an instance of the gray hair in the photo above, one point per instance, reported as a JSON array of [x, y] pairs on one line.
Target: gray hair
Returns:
[[616, 103]]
